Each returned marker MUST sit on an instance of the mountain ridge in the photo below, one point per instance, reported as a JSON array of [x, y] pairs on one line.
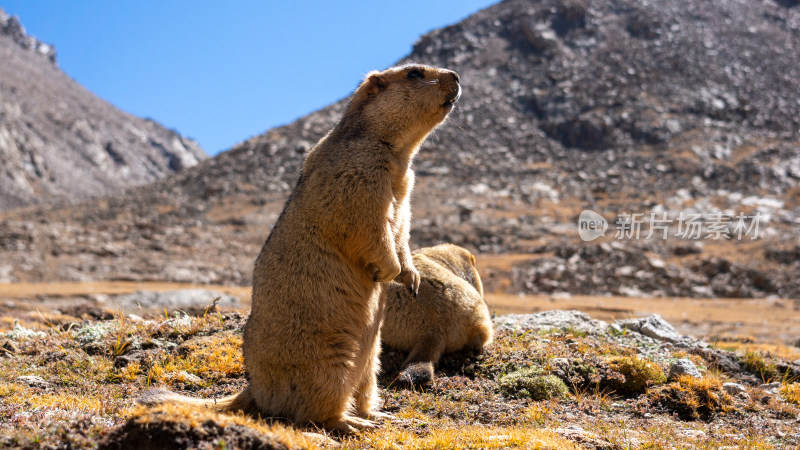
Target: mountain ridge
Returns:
[[11, 27], [59, 142]]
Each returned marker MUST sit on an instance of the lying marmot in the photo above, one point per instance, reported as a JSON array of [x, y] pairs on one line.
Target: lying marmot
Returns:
[[448, 315], [312, 340]]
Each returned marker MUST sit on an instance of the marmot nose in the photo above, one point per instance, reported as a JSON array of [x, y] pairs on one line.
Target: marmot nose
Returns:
[[455, 77]]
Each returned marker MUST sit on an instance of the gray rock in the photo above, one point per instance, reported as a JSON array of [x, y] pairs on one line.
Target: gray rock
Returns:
[[184, 377], [658, 328], [771, 388], [6, 274], [577, 434], [33, 381], [175, 300], [694, 434], [544, 320], [703, 291], [560, 367], [734, 388], [683, 367], [790, 370], [774, 385], [723, 360], [653, 326]]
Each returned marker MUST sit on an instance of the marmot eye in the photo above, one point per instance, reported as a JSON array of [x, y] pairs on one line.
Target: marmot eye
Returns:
[[416, 73]]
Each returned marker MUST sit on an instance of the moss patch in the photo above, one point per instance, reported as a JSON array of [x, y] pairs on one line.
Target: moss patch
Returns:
[[638, 374], [530, 383]]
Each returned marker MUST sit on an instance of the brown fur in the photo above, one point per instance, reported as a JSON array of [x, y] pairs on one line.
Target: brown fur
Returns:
[[448, 315], [312, 340]]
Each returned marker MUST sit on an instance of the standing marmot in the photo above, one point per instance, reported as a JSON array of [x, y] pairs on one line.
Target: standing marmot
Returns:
[[312, 340], [448, 315]]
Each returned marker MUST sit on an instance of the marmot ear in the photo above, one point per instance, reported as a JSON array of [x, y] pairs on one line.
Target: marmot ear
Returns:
[[374, 83], [474, 261]]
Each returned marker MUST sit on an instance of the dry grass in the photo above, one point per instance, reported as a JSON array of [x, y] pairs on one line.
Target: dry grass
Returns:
[[790, 393], [212, 358], [454, 436], [781, 351], [693, 398], [760, 365], [22, 395], [167, 425]]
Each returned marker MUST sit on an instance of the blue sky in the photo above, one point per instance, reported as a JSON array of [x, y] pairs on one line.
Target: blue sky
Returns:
[[221, 72]]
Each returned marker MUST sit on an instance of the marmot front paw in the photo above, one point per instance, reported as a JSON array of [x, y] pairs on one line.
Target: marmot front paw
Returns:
[[385, 273], [410, 279]]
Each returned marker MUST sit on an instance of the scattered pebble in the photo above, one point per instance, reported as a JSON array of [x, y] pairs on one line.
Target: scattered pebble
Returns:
[[33, 381], [771, 388], [734, 388]]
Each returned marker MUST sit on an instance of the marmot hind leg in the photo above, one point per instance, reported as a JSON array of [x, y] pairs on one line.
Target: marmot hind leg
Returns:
[[418, 367], [323, 400], [366, 395]]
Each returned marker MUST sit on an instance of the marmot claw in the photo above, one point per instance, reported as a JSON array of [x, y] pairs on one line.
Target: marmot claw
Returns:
[[410, 279]]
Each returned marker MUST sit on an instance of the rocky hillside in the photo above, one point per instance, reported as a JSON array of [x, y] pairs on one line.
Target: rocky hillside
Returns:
[[59, 141], [665, 107]]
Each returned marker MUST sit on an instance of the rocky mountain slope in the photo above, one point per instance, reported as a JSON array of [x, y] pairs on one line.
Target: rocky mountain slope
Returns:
[[59, 141], [618, 106]]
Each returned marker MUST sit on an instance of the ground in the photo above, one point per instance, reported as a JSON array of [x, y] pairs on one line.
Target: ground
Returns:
[[70, 381], [767, 320]]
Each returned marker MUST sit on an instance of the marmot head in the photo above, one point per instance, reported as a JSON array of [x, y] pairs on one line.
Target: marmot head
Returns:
[[402, 105], [459, 260]]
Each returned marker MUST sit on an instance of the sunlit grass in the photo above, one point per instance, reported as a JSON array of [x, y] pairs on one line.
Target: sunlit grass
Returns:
[[781, 351], [458, 436]]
